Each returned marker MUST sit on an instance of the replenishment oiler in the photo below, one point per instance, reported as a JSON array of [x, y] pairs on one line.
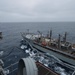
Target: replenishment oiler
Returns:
[[62, 49]]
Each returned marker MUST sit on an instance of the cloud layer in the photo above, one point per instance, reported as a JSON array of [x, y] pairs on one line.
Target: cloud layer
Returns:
[[37, 10]]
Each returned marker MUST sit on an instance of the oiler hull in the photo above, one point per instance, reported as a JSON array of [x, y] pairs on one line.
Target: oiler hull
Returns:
[[58, 55]]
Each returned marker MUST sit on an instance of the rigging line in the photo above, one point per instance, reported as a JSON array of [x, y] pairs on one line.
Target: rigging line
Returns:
[[13, 70], [11, 52]]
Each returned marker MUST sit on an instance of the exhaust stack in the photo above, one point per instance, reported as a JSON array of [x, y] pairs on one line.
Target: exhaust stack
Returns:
[[59, 41], [50, 35]]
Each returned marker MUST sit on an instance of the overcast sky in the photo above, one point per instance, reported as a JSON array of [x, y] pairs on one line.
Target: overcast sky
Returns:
[[37, 10]]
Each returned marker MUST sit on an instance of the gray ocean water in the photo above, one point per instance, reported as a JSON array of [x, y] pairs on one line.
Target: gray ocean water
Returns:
[[12, 36]]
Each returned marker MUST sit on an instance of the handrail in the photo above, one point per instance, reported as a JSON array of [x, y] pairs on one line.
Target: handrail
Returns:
[[11, 65]]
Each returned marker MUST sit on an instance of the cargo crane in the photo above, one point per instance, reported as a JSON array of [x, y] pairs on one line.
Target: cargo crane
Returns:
[[40, 32]]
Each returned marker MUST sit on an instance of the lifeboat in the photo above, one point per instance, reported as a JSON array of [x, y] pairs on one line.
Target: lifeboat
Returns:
[[44, 43]]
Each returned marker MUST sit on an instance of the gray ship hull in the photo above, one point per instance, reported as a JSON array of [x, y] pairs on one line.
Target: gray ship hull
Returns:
[[63, 58]]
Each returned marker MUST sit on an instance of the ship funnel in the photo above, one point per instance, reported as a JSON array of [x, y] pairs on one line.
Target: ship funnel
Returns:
[[50, 35], [27, 66]]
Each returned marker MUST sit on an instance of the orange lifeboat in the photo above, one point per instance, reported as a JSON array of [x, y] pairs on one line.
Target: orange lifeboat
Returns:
[[44, 43]]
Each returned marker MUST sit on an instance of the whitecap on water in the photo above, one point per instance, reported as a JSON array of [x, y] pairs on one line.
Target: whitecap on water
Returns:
[[1, 53], [23, 46]]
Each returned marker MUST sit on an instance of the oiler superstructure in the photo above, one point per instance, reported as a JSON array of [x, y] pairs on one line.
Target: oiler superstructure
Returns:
[[60, 45]]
